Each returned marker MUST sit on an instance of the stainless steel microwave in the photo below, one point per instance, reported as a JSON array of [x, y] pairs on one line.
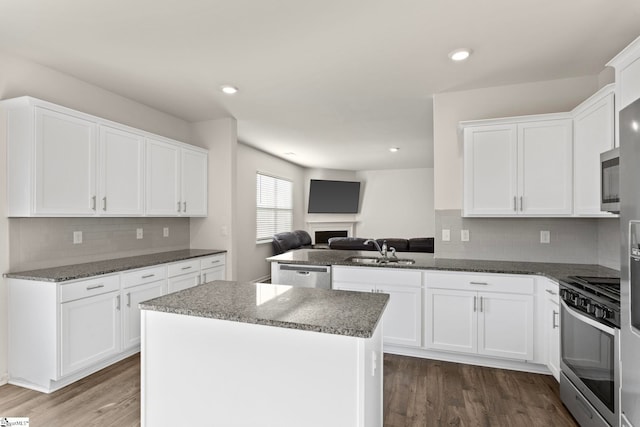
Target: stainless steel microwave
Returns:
[[610, 181]]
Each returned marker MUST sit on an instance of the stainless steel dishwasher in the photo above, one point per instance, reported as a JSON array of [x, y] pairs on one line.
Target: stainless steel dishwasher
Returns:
[[305, 276]]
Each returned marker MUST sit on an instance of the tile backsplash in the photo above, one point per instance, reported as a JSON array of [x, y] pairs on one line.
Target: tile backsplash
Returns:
[[572, 240], [47, 242]]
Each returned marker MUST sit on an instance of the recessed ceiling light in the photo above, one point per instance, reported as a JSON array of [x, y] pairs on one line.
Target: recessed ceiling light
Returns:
[[460, 54], [394, 149], [228, 89]]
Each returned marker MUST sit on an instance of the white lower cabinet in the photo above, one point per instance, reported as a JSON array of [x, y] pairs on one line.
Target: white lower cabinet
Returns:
[[551, 322], [131, 298], [61, 332], [89, 331], [402, 319], [212, 268], [489, 315]]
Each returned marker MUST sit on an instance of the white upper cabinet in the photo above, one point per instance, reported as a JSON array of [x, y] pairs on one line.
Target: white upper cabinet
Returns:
[[63, 162], [65, 159], [490, 169], [594, 128], [163, 178], [519, 166], [120, 172], [176, 180], [194, 182]]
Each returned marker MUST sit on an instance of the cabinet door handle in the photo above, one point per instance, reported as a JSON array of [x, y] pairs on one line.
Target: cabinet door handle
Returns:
[[184, 207], [146, 276], [178, 206], [104, 203], [93, 203], [554, 324], [204, 280], [549, 291], [118, 303], [515, 204], [475, 304], [479, 283], [128, 299], [521, 205], [92, 287], [481, 304], [187, 267]]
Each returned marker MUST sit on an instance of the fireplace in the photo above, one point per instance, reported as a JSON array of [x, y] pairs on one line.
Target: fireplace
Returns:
[[322, 231], [322, 237]]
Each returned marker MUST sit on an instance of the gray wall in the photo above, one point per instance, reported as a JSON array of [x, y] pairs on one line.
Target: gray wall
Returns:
[[573, 240], [47, 242]]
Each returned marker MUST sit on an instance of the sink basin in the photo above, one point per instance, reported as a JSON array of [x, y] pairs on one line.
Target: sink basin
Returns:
[[380, 260]]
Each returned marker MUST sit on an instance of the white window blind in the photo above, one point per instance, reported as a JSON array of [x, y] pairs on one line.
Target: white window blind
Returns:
[[274, 206]]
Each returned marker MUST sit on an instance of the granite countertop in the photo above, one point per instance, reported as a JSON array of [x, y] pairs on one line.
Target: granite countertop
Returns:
[[354, 314], [425, 261], [80, 271]]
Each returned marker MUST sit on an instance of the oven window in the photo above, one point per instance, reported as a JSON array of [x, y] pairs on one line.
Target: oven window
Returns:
[[589, 353]]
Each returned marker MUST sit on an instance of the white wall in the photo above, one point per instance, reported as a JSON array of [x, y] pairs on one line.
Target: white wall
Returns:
[[252, 264], [19, 77], [218, 229], [396, 203], [504, 101]]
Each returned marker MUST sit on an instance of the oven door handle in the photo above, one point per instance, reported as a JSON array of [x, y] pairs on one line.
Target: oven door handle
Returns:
[[581, 317]]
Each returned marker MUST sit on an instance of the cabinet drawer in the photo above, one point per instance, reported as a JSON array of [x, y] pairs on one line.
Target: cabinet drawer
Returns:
[[183, 267], [212, 261], [87, 288], [377, 276], [481, 282], [146, 275]]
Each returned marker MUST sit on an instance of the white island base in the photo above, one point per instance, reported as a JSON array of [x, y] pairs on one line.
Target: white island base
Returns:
[[199, 371]]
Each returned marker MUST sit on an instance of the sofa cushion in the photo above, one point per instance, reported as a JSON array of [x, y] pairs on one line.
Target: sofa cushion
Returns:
[[303, 236], [421, 244], [349, 243], [283, 242]]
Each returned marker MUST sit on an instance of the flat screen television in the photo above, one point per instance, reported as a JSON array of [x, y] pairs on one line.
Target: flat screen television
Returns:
[[334, 196]]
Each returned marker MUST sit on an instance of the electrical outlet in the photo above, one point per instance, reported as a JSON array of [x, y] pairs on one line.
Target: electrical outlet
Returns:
[[138, 233], [464, 235], [77, 237], [165, 232], [446, 235], [545, 236]]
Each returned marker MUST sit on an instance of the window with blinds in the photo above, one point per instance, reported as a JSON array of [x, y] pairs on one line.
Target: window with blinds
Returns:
[[274, 206]]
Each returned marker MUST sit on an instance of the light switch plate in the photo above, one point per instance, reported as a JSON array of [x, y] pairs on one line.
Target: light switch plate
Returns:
[[545, 236], [446, 235], [139, 233], [77, 237], [464, 235], [165, 232]]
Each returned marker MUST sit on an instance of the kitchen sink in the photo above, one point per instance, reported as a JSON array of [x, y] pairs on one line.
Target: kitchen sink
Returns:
[[380, 260]]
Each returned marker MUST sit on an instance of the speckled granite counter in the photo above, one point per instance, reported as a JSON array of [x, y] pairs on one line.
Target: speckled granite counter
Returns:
[[352, 314], [80, 271], [424, 261]]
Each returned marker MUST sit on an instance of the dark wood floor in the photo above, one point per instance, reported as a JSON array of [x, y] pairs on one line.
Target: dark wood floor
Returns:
[[417, 392]]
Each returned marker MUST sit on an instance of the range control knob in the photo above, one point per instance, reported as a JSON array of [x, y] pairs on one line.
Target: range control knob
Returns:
[[598, 311], [584, 302], [606, 313]]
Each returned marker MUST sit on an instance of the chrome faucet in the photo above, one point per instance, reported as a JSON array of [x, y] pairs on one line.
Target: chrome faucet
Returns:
[[382, 250]]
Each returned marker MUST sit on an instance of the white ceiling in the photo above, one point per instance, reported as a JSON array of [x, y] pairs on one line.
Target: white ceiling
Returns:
[[337, 82]]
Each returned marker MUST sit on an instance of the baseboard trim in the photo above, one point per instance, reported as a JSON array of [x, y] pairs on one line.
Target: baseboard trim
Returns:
[[4, 379], [476, 360], [263, 279]]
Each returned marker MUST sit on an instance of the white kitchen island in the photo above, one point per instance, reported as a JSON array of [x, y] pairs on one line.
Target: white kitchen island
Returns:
[[245, 354]]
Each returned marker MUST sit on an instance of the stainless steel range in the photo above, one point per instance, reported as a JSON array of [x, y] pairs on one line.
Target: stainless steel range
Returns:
[[589, 348]]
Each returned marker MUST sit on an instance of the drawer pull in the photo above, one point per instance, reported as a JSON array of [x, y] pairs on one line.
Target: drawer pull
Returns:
[[146, 276], [187, 267], [479, 283], [215, 262], [549, 291], [90, 288]]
